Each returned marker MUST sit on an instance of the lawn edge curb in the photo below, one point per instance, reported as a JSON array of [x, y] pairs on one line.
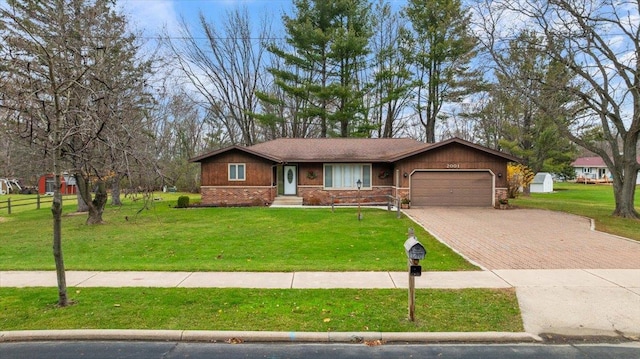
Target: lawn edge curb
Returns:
[[236, 337]]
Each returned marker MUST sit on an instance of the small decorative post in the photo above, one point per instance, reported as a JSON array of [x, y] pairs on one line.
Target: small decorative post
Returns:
[[359, 184], [415, 252]]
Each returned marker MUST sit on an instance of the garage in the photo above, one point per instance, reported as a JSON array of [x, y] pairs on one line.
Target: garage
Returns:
[[452, 188]]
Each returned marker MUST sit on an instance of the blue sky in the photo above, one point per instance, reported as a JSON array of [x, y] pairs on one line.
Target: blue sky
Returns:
[[150, 16]]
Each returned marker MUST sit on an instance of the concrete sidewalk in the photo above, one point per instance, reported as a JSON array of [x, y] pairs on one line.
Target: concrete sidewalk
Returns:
[[571, 302]]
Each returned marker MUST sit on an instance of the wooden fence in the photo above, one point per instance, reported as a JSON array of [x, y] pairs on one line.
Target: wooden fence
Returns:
[[36, 202]]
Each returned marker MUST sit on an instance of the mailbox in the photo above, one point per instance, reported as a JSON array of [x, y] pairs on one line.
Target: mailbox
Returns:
[[415, 250]]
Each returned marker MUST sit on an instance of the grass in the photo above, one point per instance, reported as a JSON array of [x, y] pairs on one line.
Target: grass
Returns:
[[261, 309], [162, 238], [593, 201]]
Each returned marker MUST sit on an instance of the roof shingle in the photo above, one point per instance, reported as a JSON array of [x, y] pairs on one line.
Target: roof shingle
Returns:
[[338, 149]]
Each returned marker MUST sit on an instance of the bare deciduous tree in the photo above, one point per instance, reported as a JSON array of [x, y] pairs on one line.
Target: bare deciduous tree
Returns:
[[596, 42], [54, 90], [391, 80], [226, 70]]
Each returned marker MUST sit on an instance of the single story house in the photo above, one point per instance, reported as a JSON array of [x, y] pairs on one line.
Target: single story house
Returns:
[[594, 170], [320, 171], [542, 183]]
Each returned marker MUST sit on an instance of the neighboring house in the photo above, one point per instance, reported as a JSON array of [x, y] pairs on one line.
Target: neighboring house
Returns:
[[594, 170], [542, 183], [449, 173], [46, 184]]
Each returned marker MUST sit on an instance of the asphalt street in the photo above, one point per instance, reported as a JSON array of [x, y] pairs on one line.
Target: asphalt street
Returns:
[[174, 350]]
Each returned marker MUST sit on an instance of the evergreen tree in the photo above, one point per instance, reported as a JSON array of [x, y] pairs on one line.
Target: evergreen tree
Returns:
[[327, 48], [525, 80], [441, 48]]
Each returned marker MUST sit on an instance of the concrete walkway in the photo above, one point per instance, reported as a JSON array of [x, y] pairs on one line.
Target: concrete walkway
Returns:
[[595, 302]]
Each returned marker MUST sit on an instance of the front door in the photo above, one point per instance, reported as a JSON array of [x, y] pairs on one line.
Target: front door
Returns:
[[290, 180]]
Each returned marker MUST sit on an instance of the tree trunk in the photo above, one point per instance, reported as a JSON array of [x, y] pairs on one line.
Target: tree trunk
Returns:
[[115, 191], [96, 208], [56, 210], [624, 192], [82, 205]]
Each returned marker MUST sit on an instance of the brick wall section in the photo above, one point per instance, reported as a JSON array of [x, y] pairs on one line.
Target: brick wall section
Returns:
[[236, 196], [312, 195], [500, 193], [403, 193], [318, 196]]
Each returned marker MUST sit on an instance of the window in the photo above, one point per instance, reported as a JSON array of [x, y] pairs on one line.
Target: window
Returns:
[[345, 176], [236, 172], [49, 185]]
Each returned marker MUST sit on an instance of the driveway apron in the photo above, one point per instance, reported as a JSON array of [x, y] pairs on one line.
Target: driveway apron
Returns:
[[526, 239]]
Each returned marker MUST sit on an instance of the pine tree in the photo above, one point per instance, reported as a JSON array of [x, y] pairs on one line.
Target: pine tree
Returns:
[[327, 48], [441, 49]]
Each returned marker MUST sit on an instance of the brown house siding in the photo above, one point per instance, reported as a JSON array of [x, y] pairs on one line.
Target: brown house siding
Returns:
[[255, 190], [258, 171], [306, 172], [313, 193], [454, 157]]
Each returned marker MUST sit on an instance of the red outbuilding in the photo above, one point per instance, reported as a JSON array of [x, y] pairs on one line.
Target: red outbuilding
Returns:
[[46, 184]]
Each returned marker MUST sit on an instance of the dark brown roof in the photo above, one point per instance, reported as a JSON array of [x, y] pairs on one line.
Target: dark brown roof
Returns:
[[338, 149], [465, 143], [285, 150]]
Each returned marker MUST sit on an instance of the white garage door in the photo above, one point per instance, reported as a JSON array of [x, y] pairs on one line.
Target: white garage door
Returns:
[[452, 188]]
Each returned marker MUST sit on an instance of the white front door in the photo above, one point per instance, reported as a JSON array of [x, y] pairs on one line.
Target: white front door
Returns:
[[290, 180]]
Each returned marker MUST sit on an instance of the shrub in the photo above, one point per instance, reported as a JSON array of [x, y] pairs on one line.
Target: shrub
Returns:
[[183, 202]]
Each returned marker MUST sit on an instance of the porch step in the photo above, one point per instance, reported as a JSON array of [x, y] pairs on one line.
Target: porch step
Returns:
[[287, 201]]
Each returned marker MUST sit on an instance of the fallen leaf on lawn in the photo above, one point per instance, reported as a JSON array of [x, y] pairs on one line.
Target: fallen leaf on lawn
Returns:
[[326, 320], [234, 341], [374, 343], [116, 305]]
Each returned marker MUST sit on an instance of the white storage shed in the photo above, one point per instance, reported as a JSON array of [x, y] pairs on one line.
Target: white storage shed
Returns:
[[542, 183]]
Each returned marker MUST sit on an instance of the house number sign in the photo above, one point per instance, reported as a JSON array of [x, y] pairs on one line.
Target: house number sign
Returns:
[[453, 165]]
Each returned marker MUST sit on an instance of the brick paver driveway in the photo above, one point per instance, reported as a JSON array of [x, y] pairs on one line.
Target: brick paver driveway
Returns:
[[527, 239]]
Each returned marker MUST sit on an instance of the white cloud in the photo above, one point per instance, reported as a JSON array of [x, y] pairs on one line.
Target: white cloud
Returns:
[[151, 17]]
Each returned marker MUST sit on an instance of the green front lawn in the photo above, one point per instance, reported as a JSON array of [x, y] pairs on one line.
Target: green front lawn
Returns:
[[342, 310], [593, 201], [163, 238]]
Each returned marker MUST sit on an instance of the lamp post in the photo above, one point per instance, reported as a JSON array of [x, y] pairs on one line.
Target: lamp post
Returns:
[[359, 184]]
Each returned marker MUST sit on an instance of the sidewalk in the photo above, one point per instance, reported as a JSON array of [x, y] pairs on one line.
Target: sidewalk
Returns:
[[568, 302]]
